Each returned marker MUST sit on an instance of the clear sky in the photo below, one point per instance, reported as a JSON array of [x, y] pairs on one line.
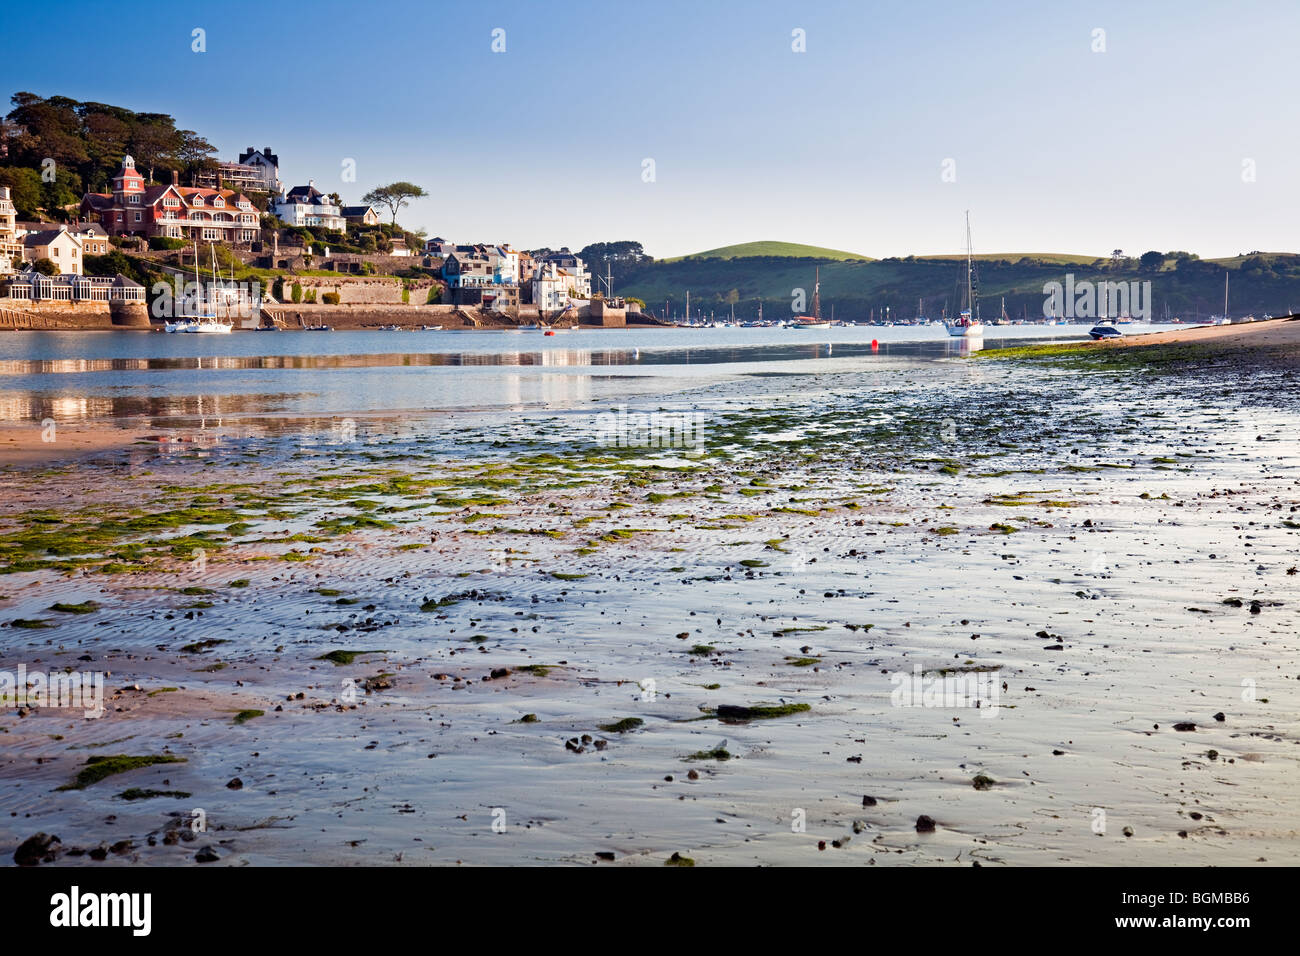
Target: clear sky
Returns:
[[1055, 147]]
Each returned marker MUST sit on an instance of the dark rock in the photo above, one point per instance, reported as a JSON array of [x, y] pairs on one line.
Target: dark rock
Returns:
[[40, 848], [206, 855], [924, 824], [235, 784], [1185, 725], [868, 801]]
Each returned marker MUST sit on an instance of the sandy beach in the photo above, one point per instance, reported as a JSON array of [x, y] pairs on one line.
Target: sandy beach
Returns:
[[1047, 602]]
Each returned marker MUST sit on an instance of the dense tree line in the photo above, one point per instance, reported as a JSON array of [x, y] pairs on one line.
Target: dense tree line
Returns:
[[56, 148]]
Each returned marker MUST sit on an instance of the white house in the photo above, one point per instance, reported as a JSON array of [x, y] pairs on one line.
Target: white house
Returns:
[[61, 247], [552, 286], [266, 163], [573, 266], [308, 206]]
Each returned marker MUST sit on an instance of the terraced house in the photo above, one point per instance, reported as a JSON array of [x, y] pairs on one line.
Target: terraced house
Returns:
[[172, 211]]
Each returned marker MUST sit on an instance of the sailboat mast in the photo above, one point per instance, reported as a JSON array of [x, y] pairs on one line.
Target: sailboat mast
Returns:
[[1225, 293], [970, 286], [817, 293]]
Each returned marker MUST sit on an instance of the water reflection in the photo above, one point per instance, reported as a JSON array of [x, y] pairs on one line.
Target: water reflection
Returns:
[[48, 382]]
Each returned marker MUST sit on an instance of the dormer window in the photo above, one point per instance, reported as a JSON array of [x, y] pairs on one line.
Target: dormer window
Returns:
[[218, 201], [198, 200]]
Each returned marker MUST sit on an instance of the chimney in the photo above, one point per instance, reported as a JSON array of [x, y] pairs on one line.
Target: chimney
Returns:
[[176, 180], [266, 151]]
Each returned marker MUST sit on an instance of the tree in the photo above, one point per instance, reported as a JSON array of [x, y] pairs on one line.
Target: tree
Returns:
[[1151, 261], [394, 196], [25, 190], [154, 142], [45, 267], [194, 154]]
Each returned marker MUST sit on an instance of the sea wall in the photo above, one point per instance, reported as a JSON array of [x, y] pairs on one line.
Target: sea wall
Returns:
[[18, 314]]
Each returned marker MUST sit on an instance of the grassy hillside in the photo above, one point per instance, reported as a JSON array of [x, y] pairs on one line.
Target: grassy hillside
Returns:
[[1192, 288], [773, 249]]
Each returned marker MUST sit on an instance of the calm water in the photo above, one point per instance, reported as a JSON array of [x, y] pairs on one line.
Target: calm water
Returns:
[[79, 376]]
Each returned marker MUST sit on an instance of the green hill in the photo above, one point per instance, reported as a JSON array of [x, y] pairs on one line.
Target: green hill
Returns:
[[858, 288], [771, 249]]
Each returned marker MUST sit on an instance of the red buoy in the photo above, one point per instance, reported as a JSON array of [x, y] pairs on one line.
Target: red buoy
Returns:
[[874, 345]]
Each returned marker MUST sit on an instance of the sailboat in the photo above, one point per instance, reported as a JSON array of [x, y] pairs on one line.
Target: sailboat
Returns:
[[815, 320], [205, 319], [968, 324]]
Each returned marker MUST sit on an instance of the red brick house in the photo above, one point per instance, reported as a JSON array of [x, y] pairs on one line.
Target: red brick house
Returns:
[[174, 211]]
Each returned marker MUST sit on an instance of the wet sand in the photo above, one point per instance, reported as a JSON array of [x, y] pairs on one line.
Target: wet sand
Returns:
[[1115, 548]]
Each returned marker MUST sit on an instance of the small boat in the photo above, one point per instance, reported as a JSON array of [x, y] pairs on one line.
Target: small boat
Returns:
[[207, 326], [549, 332], [431, 328], [968, 322], [814, 321], [1105, 332], [390, 328], [316, 328]]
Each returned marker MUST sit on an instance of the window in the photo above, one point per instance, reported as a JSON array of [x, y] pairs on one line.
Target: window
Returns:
[[198, 200], [137, 217], [211, 233], [218, 201]]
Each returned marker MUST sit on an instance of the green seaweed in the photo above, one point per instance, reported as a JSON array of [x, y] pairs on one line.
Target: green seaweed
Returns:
[[97, 768]]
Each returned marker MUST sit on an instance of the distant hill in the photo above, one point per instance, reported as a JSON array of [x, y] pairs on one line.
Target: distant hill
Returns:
[[773, 249], [858, 287]]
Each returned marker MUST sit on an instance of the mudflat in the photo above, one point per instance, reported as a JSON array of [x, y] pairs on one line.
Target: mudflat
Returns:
[[1047, 601]]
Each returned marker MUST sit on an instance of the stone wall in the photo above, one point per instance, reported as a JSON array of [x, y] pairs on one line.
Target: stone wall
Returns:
[[360, 316], [25, 314], [356, 290]]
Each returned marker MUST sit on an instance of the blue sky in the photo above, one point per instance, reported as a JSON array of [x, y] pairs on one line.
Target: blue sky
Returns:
[[1056, 148]]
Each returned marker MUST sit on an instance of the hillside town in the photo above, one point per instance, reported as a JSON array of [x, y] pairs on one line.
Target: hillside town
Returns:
[[286, 237]]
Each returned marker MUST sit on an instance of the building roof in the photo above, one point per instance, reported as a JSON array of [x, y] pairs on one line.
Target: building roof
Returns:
[[356, 212], [265, 152], [122, 282], [307, 195], [43, 238]]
